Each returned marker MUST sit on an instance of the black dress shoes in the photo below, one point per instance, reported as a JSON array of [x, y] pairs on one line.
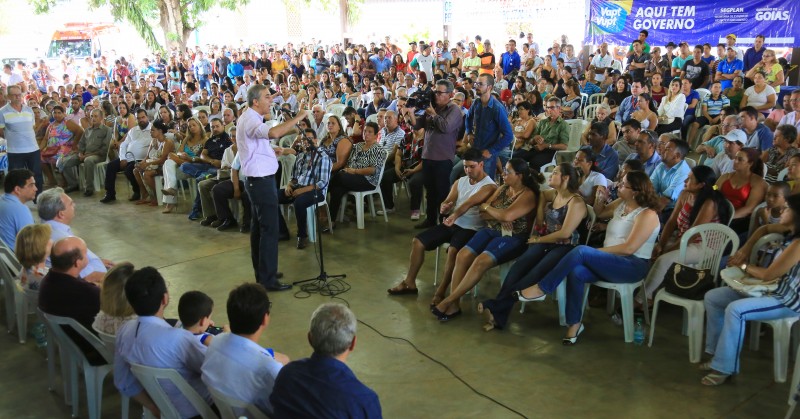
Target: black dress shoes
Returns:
[[208, 220], [227, 225], [279, 286], [302, 242], [108, 199]]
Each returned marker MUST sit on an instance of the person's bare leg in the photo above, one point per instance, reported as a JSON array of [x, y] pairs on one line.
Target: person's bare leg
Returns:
[[449, 265], [144, 399], [464, 260], [479, 266], [144, 192], [149, 178], [416, 259]]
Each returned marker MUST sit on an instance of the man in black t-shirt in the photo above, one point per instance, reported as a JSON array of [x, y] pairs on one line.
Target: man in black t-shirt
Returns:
[[638, 61], [264, 62], [696, 70]]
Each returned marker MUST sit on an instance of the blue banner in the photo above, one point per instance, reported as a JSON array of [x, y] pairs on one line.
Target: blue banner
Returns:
[[618, 22]]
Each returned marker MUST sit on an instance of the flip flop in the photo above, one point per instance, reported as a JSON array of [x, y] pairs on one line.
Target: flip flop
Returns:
[[714, 379], [405, 290]]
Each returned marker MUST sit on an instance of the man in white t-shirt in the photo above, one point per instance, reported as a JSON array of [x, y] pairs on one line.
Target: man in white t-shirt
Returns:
[[791, 118], [462, 222], [425, 61], [600, 62]]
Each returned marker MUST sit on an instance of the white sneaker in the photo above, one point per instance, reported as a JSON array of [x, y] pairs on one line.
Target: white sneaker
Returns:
[[388, 211], [415, 215]]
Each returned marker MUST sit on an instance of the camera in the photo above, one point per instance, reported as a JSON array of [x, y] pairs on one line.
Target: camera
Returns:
[[420, 100], [303, 145]]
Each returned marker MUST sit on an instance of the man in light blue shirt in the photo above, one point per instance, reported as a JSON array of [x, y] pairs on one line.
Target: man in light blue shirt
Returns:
[[20, 187], [236, 365], [150, 341], [669, 176], [646, 152], [381, 62], [57, 209]]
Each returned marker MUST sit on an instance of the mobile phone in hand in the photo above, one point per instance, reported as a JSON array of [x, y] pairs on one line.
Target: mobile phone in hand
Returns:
[[214, 330]]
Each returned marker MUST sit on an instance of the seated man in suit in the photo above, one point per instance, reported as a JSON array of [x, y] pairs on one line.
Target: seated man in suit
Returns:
[[323, 385]]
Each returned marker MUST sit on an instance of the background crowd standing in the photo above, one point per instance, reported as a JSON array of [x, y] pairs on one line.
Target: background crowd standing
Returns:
[[485, 133]]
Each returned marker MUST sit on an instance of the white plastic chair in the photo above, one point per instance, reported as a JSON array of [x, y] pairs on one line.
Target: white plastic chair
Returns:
[[94, 374], [359, 198], [715, 238], [691, 162], [783, 173], [626, 291], [589, 112], [754, 218], [336, 109], [596, 98], [781, 328], [150, 377], [731, 210], [197, 109], [230, 408], [576, 128], [373, 118], [110, 342], [17, 299], [310, 220], [66, 361]]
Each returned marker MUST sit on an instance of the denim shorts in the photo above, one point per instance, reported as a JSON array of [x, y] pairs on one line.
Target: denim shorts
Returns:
[[501, 248]]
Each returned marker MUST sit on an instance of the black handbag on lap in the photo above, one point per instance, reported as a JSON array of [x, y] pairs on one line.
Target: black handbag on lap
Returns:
[[687, 282]]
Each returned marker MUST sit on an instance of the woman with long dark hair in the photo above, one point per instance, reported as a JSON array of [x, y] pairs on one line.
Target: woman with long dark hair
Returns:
[[727, 310], [558, 220], [511, 209], [590, 178], [624, 258], [698, 204], [744, 187]]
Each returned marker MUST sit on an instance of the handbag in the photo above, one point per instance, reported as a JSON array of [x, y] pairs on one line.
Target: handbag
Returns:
[[738, 280], [687, 282]]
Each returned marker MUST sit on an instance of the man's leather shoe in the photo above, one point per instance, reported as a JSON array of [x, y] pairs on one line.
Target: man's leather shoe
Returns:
[[280, 286], [88, 193], [245, 228], [208, 220], [227, 225], [279, 275], [302, 242], [108, 199], [135, 197]]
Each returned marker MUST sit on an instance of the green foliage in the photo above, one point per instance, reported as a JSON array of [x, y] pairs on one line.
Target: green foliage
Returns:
[[415, 35], [353, 7]]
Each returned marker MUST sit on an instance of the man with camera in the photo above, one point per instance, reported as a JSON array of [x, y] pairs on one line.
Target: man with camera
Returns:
[[310, 176], [487, 126], [442, 122]]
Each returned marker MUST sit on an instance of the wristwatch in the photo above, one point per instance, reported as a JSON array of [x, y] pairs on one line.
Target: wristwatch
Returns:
[[743, 267]]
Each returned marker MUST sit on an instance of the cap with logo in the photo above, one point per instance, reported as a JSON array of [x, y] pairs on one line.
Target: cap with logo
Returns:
[[736, 136]]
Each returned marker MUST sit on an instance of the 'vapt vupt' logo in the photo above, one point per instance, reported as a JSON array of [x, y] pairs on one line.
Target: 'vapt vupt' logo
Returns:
[[610, 16]]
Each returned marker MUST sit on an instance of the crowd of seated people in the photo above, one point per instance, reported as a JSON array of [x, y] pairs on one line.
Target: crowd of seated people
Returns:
[[670, 147]]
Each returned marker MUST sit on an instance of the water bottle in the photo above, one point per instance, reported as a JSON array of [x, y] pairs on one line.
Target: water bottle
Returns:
[[638, 332], [40, 335]]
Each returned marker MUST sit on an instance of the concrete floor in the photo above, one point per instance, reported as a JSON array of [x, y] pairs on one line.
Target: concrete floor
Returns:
[[524, 368]]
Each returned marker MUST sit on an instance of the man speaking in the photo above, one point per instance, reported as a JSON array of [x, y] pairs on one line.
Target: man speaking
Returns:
[[259, 164]]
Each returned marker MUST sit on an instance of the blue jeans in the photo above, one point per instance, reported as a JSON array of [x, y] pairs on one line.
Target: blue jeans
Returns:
[[583, 265], [726, 314], [526, 271], [301, 204], [204, 84]]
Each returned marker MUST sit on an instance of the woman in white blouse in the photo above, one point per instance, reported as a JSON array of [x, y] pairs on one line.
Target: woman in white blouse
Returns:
[[760, 96], [624, 258], [670, 112]]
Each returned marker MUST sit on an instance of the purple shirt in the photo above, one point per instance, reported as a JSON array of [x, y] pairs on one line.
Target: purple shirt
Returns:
[[255, 151]]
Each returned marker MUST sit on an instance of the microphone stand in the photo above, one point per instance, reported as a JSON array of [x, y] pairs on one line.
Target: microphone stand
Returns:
[[323, 276]]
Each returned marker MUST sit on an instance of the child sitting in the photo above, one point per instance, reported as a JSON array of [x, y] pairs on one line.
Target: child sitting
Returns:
[[776, 203], [194, 312]]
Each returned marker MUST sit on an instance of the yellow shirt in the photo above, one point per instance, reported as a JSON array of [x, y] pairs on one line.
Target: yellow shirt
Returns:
[[279, 65]]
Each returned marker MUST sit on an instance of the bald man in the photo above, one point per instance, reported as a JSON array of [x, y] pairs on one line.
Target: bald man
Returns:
[[62, 292]]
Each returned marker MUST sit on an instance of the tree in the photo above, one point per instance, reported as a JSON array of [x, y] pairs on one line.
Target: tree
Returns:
[[177, 18]]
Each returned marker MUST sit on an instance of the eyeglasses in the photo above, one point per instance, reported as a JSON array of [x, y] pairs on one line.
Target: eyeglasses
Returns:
[[480, 84]]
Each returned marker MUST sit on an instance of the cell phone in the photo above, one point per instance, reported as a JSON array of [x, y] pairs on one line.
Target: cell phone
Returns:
[[214, 330]]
